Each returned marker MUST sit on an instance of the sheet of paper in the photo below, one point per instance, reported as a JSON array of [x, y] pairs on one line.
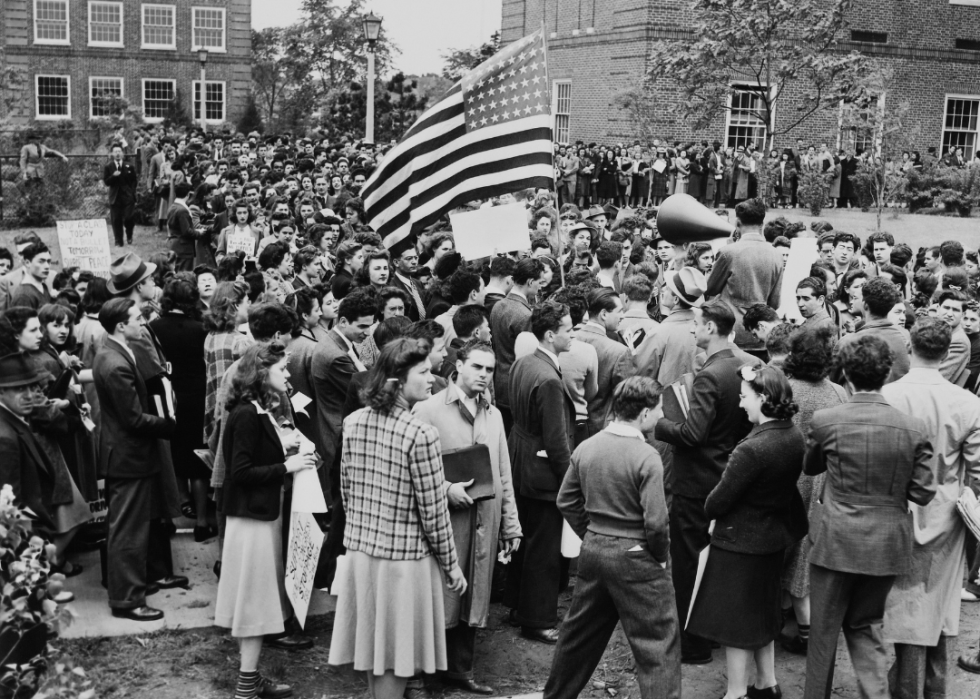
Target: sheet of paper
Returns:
[[802, 254], [702, 562], [660, 165], [240, 242], [571, 545], [307, 493], [303, 553], [483, 232], [300, 401]]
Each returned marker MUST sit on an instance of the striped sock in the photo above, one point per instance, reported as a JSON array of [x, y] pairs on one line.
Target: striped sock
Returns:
[[248, 685], [804, 631]]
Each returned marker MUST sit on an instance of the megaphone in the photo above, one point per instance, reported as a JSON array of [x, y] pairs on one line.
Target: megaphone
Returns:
[[683, 219]]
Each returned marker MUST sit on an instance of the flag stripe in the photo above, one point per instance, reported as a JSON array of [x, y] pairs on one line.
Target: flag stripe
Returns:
[[434, 117]]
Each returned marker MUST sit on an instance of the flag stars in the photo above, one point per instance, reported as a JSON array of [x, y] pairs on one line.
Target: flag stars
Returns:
[[525, 82], [539, 107], [494, 118], [527, 110], [483, 121], [526, 96]]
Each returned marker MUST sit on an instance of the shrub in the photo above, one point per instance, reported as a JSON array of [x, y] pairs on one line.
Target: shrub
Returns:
[[813, 190]]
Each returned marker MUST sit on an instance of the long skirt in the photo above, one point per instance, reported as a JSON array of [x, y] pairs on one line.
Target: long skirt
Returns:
[[390, 616]]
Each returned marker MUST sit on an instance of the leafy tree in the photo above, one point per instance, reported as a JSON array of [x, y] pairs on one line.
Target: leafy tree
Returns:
[[251, 120], [178, 115], [458, 61], [13, 81], [767, 46], [396, 107]]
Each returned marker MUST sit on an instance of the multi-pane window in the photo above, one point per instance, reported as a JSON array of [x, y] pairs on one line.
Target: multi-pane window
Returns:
[[214, 101], [105, 24], [159, 30], [209, 28], [960, 126], [157, 97], [745, 118], [103, 93], [562, 109], [51, 22], [53, 97], [859, 133]]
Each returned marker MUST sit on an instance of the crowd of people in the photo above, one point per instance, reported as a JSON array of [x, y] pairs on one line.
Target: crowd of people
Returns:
[[650, 397]]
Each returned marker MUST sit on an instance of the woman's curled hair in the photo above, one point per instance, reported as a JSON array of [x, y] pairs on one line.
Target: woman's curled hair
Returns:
[[811, 354], [777, 395], [389, 372], [251, 380], [222, 316]]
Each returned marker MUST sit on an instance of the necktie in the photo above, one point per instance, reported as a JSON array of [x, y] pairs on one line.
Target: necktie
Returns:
[[417, 298]]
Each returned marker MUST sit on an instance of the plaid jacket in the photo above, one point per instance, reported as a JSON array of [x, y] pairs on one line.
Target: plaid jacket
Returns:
[[221, 350], [391, 480]]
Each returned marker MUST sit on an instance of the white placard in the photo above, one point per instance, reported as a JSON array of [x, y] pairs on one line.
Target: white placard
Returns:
[[802, 254], [307, 493], [85, 244], [483, 232], [305, 541], [243, 242]]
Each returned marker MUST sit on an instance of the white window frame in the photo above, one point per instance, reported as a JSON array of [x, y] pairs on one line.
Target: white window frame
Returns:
[[55, 42], [37, 100], [976, 132], [224, 101], [849, 143], [746, 87], [122, 24], [172, 46], [224, 30], [152, 119], [556, 86], [91, 97], [970, 3]]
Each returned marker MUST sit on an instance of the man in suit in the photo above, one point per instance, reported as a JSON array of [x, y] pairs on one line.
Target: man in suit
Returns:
[[180, 229], [501, 281], [540, 446], [615, 360], [133, 455], [877, 459], [879, 297], [702, 444], [120, 177], [508, 319], [406, 264], [335, 362]]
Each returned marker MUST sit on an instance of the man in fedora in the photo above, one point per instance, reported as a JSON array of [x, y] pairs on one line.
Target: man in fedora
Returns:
[[600, 218], [135, 458], [130, 277]]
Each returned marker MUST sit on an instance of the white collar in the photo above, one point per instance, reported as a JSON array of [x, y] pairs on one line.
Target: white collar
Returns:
[[259, 408], [621, 430], [552, 356]]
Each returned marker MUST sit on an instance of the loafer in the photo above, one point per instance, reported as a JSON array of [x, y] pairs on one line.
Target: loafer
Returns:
[[468, 685], [172, 581], [773, 692], [970, 663], [152, 589], [548, 636], [273, 690], [695, 659], [290, 643], [138, 614]]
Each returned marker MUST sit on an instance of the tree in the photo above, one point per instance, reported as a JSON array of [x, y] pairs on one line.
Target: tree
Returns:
[[251, 120], [458, 61], [178, 115], [765, 46], [396, 107], [13, 81]]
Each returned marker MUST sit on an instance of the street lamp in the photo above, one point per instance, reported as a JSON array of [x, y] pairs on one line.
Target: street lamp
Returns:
[[372, 30], [202, 56]]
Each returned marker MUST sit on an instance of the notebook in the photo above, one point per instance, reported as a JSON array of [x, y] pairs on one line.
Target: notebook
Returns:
[[461, 465]]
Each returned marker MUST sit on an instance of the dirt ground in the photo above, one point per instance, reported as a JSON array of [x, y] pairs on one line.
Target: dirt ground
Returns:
[[202, 664]]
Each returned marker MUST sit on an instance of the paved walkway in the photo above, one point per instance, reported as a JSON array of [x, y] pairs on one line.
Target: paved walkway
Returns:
[[183, 609]]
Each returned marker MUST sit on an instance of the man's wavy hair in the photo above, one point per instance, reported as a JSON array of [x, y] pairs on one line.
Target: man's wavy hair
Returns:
[[251, 380]]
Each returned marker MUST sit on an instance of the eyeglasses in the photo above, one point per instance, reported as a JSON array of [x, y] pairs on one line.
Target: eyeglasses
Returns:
[[748, 373]]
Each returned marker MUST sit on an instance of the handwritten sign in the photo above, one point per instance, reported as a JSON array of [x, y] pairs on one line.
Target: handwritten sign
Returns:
[[85, 244], [305, 541], [241, 241], [99, 507]]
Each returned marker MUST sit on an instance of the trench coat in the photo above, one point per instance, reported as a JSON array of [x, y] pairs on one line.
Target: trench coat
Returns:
[[475, 529]]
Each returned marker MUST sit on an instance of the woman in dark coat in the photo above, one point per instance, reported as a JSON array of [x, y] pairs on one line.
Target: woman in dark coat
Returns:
[[181, 334], [758, 514], [608, 172]]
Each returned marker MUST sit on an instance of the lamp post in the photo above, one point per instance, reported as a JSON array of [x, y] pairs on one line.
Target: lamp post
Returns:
[[372, 29], [202, 56]]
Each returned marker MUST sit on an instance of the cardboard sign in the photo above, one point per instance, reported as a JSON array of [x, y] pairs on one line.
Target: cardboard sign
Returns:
[[305, 541], [99, 507], [85, 244], [802, 254], [498, 229], [241, 241]]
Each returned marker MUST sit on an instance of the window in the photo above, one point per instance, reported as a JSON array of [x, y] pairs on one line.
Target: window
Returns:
[[869, 37], [51, 22], [960, 126], [745, 118], [101, 93], [968, 44], [53, 97], [158, 27], [561, 108], [157, 97], [209, 29], [105, 24], [965, 2], [214, 101], [858, 134]]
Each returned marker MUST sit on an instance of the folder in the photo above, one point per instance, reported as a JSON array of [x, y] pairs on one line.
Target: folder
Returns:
[[471, 463]]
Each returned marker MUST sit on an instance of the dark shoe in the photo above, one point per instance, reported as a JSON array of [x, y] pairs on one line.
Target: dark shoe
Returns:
[[73, 569], [217, 569], [512, 618], [202, 534], [187, 509], [138, 614], [794, 644], [290, 643], [970, 663], [271, 690], [468, 685], [773, 692], [696, 659], [549, 636], [420, 692], [152, 589], [172, 581]]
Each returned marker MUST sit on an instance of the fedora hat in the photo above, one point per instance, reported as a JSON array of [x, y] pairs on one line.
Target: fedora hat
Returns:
[[128, 271], [17, 370], [688, 285], [596, 211]]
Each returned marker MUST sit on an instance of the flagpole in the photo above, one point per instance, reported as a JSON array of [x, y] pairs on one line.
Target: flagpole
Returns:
[[561, 237]]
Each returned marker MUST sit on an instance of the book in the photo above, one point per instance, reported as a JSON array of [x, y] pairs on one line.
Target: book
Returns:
[[471, 463], [677, 399]]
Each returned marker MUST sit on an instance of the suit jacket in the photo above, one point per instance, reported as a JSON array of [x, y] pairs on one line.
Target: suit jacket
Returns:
[[615, 365], [8, 283], [412, 309], [332, 372], [256, 465], [713, 427], [491, 300], [24, 465], [122, 187], [130, 441], [180, 230], [508, 319], [544, 420], [877, 458]]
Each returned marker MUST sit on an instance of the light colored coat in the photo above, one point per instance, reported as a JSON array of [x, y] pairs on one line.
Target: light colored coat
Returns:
[[925, 601], [475, 529]]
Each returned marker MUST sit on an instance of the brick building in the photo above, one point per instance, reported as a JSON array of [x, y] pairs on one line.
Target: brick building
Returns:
[[600, 48], [75, 52]]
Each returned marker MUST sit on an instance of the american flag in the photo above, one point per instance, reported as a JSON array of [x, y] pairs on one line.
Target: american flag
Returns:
[[490, 135]]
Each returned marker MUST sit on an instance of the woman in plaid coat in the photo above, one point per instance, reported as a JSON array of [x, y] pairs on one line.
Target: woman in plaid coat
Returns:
[[390, 619]]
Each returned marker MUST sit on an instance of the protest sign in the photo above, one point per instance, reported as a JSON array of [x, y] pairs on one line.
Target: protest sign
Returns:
[[305, 541], [85, 244], [802, 254], [243, 242], [495, 229]]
